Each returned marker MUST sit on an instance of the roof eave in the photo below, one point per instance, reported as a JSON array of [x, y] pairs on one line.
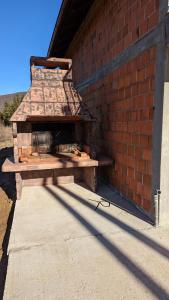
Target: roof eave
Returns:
[[71, 15], [61, 11]]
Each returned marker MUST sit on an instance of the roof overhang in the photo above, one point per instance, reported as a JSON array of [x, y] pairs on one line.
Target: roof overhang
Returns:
[[71, 16]]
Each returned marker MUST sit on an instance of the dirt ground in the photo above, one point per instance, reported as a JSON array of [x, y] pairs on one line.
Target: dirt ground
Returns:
[[7, 181], [7, 201], [5, 212], [5, 136], [5, 208]]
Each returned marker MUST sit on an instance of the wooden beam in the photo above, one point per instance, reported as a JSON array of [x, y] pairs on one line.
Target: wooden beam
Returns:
[[62, 119], [53, 118], [51, 62]]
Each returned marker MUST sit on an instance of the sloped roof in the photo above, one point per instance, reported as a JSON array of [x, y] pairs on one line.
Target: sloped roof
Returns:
[[71, 16]]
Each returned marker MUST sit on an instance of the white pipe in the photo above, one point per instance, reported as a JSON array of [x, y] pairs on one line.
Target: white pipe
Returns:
[[157, 207]]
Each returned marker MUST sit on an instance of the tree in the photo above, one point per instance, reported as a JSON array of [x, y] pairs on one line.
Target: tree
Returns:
[[10, 108]]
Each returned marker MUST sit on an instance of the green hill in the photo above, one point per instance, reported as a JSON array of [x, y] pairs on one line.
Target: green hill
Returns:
[[9, 98]]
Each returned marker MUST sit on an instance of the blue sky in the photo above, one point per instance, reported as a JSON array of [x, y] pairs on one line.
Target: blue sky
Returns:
[[25, 29]]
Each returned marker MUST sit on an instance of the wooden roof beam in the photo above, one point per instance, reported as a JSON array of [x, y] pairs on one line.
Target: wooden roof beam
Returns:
[[51, 62]]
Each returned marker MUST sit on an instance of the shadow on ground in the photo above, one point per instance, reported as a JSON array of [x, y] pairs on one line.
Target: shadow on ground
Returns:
[[156, 290], [111, 196]]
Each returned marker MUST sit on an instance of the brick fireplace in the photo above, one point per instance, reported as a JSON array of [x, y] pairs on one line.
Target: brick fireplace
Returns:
[[53, 131]]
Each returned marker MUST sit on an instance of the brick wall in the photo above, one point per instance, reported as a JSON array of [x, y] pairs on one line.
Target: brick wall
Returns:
[[113, 27], [122, 100]]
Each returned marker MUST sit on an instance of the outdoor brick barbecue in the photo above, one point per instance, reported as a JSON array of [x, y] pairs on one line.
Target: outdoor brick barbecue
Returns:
[[53, 130]]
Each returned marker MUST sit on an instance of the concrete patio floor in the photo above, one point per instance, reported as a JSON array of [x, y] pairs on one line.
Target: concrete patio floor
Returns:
[[65, 245]]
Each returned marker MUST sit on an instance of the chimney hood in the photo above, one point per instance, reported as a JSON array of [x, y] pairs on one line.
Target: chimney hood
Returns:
[[52, 93]]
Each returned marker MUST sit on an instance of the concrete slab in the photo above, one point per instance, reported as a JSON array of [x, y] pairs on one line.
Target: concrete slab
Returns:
[[62, 247]]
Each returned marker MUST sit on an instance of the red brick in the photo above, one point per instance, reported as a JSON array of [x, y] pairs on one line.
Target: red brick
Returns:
[[147, 204], [130, 172], [138, 199], [141, 75], [139, 188], [150, 71], [147, 191], [144, 141], [143, 27], [136, 139], [139, 177], [138, 153], [147, 154], [152, 20], [130, 150], [147, 179]]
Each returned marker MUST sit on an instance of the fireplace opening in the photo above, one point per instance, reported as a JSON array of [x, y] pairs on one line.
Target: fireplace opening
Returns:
[[47, 137], [42, 141]]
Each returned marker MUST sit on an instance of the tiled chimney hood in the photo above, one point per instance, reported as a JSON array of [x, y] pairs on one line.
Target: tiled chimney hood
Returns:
[[52, 93]]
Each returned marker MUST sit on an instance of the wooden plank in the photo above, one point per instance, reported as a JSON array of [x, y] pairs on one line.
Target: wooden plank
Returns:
[[50, 62], [56, 118], [10, 166]]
